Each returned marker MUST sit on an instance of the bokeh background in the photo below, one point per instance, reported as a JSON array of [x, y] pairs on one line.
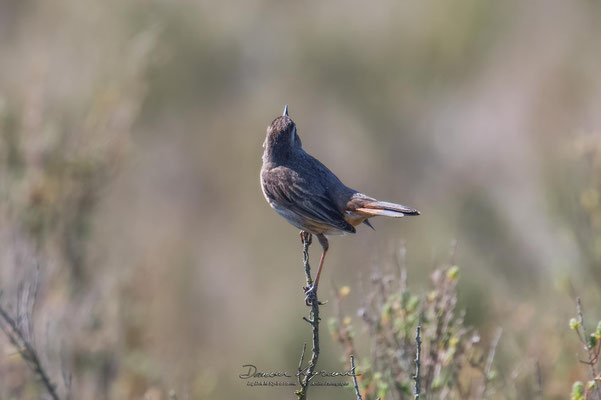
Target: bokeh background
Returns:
[[130, 151]]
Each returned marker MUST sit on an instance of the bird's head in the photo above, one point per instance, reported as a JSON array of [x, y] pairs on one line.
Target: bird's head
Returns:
[[281, 138]]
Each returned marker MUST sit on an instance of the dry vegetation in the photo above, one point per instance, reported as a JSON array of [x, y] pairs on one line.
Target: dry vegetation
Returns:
[[136, 251], [453, 362]]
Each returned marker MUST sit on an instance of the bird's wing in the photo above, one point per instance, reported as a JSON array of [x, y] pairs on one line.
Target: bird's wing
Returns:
[[308, 200]]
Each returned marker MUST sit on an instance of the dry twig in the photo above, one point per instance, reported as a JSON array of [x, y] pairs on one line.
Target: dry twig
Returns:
[[592, 355], [306, 374], [418, 354], [19, 339], [357, 393]]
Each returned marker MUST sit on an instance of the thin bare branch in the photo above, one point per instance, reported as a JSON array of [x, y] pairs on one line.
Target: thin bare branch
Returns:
[[489, 361], [18, 339], [590, 351], [305, 375], [357, 393], [418, 354]]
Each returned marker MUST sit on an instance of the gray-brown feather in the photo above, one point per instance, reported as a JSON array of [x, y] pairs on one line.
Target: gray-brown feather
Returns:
[[305, 192], [300, 196]]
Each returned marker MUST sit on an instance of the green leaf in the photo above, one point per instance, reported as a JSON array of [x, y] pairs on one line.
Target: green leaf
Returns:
[[382, 389], [592, 341], [574, 324], [412, 303], [577, 391], [453, 273]]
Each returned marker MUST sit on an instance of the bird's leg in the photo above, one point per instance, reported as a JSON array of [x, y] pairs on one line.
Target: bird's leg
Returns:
[[324, 243], [311, 292]]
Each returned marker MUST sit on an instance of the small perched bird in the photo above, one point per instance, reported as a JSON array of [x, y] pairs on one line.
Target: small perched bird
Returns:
[[302, 190]]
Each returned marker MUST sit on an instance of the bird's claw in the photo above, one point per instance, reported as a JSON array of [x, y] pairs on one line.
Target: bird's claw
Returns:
[[311, 295], [306, 237]]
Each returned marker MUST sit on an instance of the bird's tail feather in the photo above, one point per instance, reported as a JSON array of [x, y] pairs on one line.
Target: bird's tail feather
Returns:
[[386, 209]]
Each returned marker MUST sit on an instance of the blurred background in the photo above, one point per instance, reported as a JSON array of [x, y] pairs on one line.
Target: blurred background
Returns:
[[130, 152]]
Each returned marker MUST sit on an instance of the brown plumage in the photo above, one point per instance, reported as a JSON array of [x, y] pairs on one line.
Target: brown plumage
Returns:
[[308, 195]]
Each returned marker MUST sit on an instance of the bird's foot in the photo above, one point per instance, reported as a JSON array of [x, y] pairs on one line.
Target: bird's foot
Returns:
[[305, 237], [311, 295]]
